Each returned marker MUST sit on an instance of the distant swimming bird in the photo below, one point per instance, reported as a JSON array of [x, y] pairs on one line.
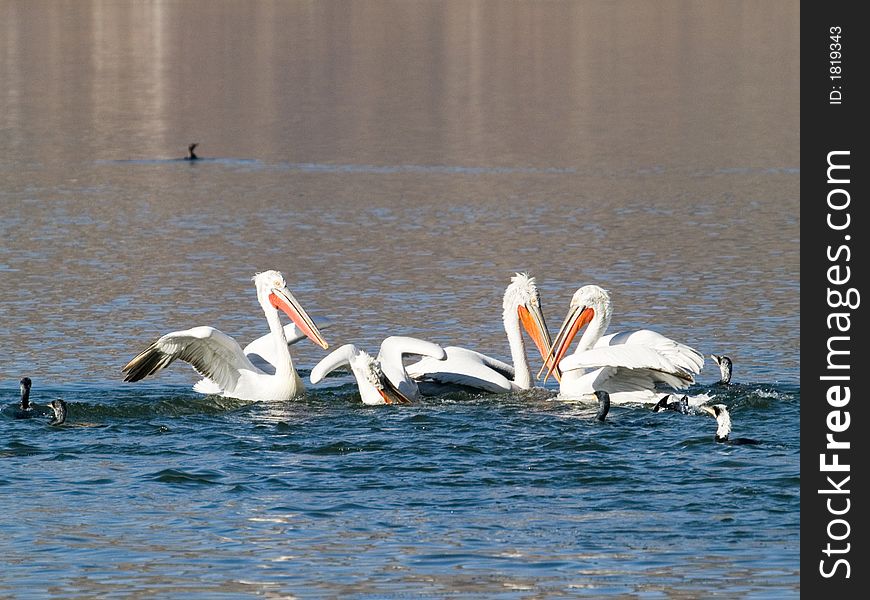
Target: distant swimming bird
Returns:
[[60, 410], [725, 365], [381, 380], [222, 362], [680, 406], [631, 365], [191, 155], [521, 309], [723, 419], [603, 404]]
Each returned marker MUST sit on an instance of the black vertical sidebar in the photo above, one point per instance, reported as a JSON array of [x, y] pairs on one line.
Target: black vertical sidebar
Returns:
[[835, 432]]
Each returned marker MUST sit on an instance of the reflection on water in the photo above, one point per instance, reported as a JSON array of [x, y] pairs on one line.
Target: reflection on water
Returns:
[[398, 162]]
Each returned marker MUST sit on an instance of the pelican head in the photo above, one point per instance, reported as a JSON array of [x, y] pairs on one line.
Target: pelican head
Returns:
[[522, 300], [374, 387], [588, 302], [273, 294], [723, 418]]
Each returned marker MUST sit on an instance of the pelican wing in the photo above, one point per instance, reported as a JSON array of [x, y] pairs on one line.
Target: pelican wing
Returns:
[[391, 355], [623, 379], [395, 347], [262, 353], [465, 367], [624, 357], [638, 360], [213, 354], [681, 356], [340, 357]]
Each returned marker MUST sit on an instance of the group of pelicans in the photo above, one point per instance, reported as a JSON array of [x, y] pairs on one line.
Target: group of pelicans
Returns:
[[639, 366]]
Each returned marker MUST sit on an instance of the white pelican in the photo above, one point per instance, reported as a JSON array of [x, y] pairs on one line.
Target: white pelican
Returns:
[[381, 380], [221, 360], [631, 365], [521, 306]]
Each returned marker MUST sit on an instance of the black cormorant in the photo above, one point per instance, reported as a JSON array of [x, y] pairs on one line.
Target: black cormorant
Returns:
[[725, 364]]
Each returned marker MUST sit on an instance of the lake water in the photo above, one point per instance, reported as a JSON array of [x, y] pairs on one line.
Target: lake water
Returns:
[[398, 162]]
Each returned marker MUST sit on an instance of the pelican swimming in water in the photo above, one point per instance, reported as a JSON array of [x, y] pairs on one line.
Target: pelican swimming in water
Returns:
[[381, 380], [219, 358], [631, 365], [723, 420], [725, 365], [521, 307]]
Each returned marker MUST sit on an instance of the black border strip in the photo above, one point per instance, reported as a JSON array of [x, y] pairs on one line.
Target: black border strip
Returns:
[[834, 228]]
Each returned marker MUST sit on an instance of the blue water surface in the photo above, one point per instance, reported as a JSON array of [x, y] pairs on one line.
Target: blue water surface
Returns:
[[512, 496]]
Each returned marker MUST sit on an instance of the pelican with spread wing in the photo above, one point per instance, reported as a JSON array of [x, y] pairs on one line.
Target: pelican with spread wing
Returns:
[[227, 370]]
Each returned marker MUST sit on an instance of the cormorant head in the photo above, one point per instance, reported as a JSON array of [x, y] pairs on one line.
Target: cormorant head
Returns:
[[723, 418], [662, 404], [725, 364], [603, 404], [59, 408]]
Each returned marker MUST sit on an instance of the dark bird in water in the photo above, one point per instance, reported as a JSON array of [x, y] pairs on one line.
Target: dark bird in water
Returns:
[[724, 368], [24, 409], [603, 404], [681, 405], [59, 408], [191, 155], [723, 418], [25, 385]]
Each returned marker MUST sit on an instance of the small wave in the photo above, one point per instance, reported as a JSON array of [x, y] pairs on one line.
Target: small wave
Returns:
[[343, 447], [347, 167], [62, 457], [17, 449], [177, 476], [771, 394], [437, 169], [167, 407]]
